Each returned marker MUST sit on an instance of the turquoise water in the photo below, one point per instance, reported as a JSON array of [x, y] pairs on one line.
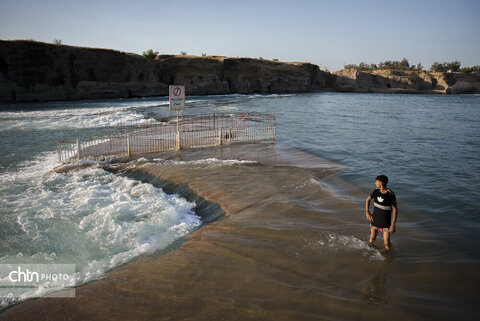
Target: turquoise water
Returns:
[[429, 146]]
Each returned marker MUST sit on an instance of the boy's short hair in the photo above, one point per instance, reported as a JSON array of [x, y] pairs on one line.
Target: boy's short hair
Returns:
[[383, 179]]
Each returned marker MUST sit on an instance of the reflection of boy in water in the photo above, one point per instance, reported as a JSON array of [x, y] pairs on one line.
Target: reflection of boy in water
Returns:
[[384, 201]]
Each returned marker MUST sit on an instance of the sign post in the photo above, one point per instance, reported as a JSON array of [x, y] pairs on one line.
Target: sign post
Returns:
[[177, 104]]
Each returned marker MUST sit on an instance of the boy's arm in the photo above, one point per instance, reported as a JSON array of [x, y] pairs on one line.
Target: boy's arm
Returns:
[[367, 209], [391, 229]]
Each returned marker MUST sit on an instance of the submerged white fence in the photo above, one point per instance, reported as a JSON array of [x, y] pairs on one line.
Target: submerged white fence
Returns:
[[153, 136]]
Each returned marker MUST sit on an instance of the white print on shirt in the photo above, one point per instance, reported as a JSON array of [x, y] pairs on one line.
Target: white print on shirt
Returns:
[[380, 199]]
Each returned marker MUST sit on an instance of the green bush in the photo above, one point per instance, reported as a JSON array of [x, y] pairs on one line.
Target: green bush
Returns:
[[150, 54]]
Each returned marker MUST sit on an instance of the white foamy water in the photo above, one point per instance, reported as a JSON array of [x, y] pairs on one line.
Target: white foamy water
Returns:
[[75, 117], [227, 108], [270, 95], [92, 218], [348, 245], [208, 162]]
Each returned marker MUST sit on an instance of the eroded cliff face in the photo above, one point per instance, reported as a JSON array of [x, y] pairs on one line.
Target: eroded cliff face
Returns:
[[34, 71], [392, 81]]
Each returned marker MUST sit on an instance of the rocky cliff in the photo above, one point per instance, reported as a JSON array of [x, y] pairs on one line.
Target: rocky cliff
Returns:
[[34, 71], [392, 81]]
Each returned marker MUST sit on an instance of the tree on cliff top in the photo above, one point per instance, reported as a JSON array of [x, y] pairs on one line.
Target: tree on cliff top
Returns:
[[150, 54], [452, 66], [437, 67], [394, 65], [404, 65], [470, 70]]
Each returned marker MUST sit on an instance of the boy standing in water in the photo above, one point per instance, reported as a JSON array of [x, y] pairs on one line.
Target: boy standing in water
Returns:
[[384, 201]]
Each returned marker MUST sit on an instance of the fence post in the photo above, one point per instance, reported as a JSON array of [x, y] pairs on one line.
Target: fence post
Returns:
[[273, 131], [78, 149], [59, 154], [177, 140], [177, 144], [128, 146], [220, 136]]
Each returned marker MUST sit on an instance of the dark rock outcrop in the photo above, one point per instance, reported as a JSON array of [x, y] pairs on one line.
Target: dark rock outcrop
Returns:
[[35, 71]]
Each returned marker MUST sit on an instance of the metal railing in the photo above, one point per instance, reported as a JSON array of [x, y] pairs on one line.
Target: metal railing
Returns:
[[193, 131]]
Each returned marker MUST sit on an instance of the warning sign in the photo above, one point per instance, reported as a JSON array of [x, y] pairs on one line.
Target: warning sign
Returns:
[[177, 97]]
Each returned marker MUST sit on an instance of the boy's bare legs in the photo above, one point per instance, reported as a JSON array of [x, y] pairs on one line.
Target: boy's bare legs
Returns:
[[386, 239], [373, 235]]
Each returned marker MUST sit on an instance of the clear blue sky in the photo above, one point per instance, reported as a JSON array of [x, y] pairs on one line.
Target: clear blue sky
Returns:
[[326, 33]]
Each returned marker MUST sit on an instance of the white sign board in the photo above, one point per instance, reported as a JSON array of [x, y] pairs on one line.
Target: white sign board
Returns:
[[177, 97]]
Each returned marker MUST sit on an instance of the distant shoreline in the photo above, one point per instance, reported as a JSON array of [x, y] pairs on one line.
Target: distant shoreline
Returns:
[[33, 71]]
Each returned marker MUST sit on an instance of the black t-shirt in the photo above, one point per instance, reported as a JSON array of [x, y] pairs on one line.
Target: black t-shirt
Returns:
[[382, 207]]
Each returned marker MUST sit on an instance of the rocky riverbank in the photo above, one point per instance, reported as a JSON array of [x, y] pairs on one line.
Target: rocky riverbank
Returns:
[[34, 71], [394, 81]]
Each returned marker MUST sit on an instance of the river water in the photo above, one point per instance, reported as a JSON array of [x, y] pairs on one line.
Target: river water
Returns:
[[294, 239]]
